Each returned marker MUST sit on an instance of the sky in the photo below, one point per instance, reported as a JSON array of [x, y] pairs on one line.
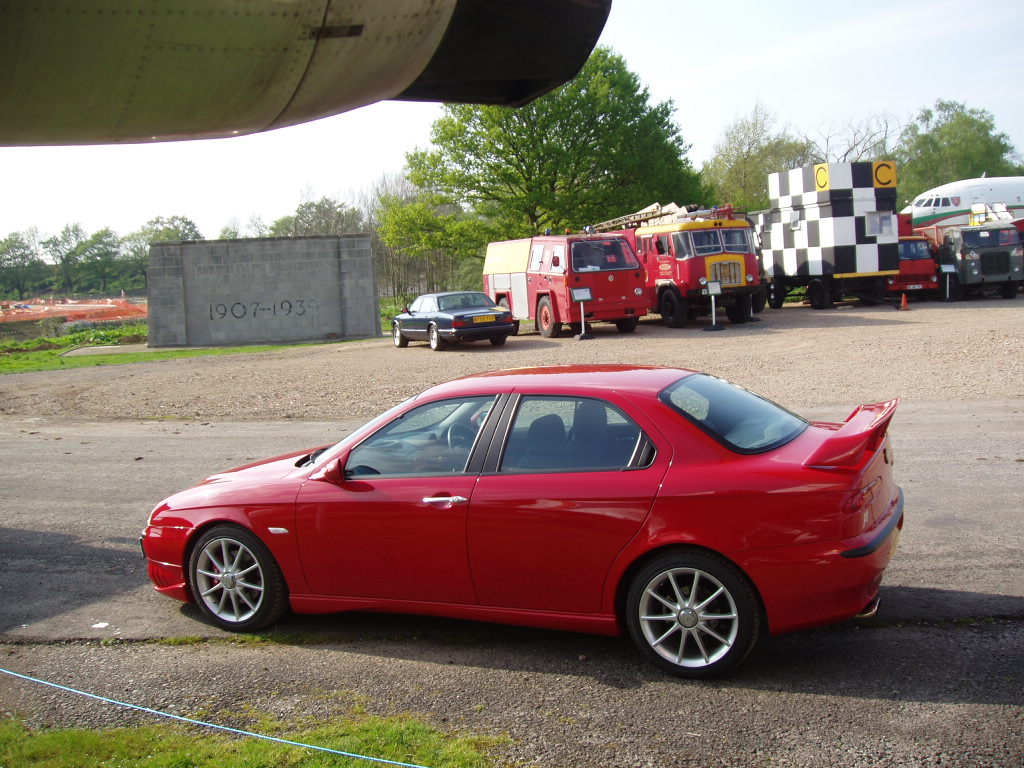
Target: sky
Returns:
[[815, 66]]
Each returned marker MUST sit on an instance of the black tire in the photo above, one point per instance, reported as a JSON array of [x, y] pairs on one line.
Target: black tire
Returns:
[[819, 294], [1009, 290], [546, 323], [693, 613], [235, 580], [497, 341], [758, 301], [626, 324], [436, 342], [396, 334], [739, 312], [673, 309], [776, 294]]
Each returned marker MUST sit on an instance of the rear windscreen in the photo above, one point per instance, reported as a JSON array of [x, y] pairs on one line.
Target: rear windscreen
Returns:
[[739, 419]]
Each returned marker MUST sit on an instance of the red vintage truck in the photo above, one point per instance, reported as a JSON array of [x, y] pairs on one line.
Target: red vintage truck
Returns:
[[690, 254], [553, 279], [918, 273]]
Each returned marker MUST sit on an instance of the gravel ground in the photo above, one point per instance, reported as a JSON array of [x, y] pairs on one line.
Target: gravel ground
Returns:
[[575, 700], [796, 356]]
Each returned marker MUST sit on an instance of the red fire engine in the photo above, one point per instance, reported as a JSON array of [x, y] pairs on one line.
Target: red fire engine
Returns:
[[690, 256], [552, 279]]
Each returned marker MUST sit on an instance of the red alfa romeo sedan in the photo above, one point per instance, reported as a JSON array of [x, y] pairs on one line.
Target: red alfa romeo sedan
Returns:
[[661, 503]]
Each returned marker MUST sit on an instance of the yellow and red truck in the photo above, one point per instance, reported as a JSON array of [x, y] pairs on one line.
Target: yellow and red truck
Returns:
[[557, 280], [690, 256]]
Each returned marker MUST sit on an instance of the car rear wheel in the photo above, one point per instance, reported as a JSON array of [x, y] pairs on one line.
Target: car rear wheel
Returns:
[[693, 614], [498, 340], [235, 580], [436, 342], [400, 340]]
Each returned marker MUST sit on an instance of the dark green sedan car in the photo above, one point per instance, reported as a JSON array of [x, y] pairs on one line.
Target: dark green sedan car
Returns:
[[446, 318]]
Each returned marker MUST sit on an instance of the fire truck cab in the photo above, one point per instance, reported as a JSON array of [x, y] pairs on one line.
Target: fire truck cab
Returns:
[[549, 278], [691, 255]]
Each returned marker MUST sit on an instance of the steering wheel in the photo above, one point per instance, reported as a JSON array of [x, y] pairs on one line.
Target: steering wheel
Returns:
[[459, 435]]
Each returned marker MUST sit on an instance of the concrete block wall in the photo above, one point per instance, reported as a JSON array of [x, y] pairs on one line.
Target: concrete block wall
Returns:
[[262, 291]]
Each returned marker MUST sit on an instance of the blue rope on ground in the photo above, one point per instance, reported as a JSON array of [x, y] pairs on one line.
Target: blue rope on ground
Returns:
[[211, 725]]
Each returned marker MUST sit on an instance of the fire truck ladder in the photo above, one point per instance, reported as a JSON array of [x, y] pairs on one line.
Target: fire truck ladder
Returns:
[[661, 214]]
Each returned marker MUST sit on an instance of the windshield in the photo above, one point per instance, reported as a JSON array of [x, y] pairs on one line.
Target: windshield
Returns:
[[706, 242], [740, 420], [602, 255], [914, 249]]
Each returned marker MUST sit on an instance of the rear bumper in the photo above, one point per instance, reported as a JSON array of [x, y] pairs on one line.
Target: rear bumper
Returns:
[[823, 583], [475, 334]]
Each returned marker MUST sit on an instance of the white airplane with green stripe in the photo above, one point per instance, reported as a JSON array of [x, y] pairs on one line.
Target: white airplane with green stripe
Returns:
[[950, 204]]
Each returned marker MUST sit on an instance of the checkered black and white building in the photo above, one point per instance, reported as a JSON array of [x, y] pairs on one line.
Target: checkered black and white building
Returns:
[[835, 219]]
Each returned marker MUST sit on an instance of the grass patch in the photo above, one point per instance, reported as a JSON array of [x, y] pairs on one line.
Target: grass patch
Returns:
[[51, 360], [402, 739]]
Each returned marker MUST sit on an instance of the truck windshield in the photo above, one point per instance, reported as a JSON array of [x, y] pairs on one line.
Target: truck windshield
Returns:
[[602, 256], [710, 241], [987, 238], [914, 249]]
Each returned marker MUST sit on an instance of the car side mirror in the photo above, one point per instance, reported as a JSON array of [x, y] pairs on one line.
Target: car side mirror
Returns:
[[405, 310], [332, 471]]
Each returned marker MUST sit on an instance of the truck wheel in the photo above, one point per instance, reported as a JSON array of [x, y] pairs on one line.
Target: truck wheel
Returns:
[[1009, 290], [739, 312], [758, 301], [673, 309], [626, 324], [819, 294], [546, 323], [776, 294]]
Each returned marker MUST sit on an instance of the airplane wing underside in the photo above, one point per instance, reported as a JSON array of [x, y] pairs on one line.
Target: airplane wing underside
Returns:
[[109, 71]]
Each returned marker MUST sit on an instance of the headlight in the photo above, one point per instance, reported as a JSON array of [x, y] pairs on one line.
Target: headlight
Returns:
[[638, 291], [750, 278], [703, 281]]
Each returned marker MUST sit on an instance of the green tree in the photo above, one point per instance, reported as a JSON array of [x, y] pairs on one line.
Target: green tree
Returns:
[[21, 268], [100, 258], [320, 217], [66, 252], [134, 252], [590, 150], [950, 142], [749, 150]]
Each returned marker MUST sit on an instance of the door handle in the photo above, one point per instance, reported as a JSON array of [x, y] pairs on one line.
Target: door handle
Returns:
[[445, 500]]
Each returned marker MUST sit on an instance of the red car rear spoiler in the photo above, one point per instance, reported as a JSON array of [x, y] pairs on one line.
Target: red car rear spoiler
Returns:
[[863, 431]]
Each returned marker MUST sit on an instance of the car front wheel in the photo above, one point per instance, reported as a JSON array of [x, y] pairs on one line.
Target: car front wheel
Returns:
[[400, 340], [235, 580], [693, 614]]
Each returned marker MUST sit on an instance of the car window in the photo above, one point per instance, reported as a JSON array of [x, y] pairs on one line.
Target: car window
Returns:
[[740, 420], [433, 439], [572, 434]]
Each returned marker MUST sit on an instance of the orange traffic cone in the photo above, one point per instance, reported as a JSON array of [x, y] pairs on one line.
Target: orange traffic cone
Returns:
[[904, 304]]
